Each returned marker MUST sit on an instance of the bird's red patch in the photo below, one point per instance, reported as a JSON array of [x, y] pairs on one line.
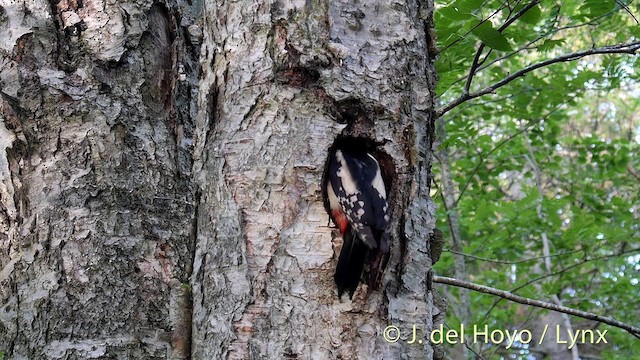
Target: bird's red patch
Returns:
[[341, 220]]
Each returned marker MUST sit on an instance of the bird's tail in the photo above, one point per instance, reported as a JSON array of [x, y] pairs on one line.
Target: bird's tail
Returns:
[[350, 263], [376, 260]]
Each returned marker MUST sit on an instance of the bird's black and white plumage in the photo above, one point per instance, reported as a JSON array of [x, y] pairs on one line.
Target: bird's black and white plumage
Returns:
[[357, 201]]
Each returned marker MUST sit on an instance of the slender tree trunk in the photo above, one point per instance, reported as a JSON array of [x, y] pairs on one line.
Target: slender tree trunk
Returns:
[[161, 169], [552, 347], [462, 307]]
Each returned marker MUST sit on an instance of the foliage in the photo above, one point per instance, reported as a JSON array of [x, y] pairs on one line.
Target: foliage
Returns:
[[554, 153]]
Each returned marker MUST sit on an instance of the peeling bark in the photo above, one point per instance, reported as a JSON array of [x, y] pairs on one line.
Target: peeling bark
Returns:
[[287, 79], [98, 198]]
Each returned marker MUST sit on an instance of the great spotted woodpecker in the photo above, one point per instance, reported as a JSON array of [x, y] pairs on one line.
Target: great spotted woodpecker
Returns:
[[357, 204]]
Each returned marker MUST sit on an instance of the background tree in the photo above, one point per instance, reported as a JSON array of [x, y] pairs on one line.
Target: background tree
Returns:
[[161, 168], [538, 166]]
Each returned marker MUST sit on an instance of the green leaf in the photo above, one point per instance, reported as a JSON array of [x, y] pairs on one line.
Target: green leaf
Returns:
[[595, 8], [461, 10], [532, 16], [469, 5], [491, 37], [454, 13], [549, 44]]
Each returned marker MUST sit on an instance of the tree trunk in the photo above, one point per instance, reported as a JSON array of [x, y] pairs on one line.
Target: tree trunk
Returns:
[[462, 302], [98, 196], [161, 169]]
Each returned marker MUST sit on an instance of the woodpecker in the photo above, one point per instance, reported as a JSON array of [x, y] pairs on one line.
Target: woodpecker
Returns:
[[357, 204]]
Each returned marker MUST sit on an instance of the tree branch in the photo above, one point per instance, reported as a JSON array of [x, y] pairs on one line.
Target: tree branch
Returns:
[[626, 8], [526, 46], [630, 48], [504, 4], [573, 266], [476, 62], [632, 172], [537, 303], [504, 262]]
